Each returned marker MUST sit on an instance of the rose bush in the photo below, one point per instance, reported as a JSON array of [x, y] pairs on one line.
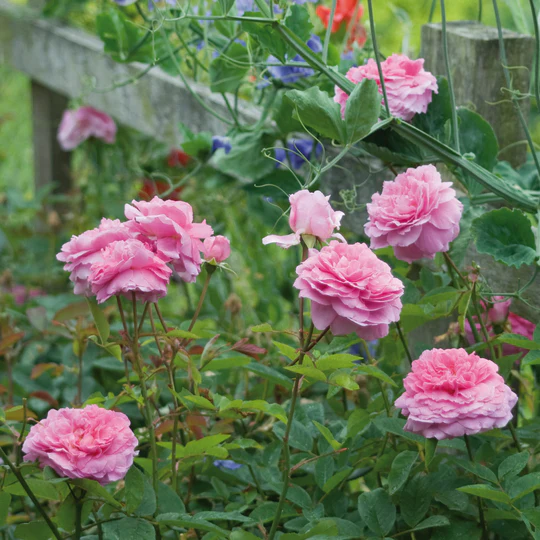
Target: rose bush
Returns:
[[195, 381]]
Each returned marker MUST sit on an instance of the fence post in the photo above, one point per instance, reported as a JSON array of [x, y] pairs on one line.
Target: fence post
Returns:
[[51, 163], [478, 76]]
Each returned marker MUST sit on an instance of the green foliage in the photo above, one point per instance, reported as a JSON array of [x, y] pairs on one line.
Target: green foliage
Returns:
[[507, 236]]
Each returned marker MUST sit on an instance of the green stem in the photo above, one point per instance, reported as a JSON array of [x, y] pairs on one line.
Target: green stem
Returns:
[[480, 7], [209, 271], [537, 54], [30, 494], [478, 499], [137, 364], [404, 343], [377, 57], [504, 62], [329, 31], [455, 125], [78, 516]]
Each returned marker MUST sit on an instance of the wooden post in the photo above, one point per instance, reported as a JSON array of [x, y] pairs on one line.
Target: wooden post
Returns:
[[479, 79], [51, 163]]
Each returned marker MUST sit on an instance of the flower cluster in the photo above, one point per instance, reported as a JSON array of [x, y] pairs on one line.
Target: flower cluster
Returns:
[[122, 258], [409, 87], [80, 124], [451, 393], [89, 443]]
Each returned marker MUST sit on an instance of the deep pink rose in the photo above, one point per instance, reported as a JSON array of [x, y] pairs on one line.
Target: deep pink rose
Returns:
[[311, 214], [499, 319], [216, 248], [81, 124], [169, 225], [417, 214], [128, 266], [409, 86], [89, 443], [450, 393], [82, 251], [350, 289]]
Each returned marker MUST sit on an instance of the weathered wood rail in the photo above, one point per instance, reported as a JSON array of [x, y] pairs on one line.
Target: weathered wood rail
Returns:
[[65, 63]]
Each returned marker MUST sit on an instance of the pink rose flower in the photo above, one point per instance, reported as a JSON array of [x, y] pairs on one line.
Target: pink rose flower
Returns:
[[350, 289], [128, 266], [82, 251], [409, 86], [311, 214], [169, 225], [498, 319], [91, 443], [80, 124], [417, 214], [216, 248], [450, 393]]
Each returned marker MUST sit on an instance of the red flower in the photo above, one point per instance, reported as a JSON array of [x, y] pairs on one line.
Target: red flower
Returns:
[[153, 188], [177, 158], [344, 13]]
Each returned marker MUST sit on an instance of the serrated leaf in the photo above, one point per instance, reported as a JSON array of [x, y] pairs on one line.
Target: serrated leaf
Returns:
[[524, 485], [286, 350], [335, 480], [433, 521], [506, 235], [486, 492], [377, 511], [100, 320], [182, 334], [337, 361], [308, 371], [265, 327], [129, 529], [327, 434], [513, 465], [400, 470], [430, 449], [373, 371], [134, 489]]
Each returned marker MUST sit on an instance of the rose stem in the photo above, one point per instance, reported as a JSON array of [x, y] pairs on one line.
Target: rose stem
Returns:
[[209, 271], [478, 499], [404, 343], [137, 364], [30, 493]]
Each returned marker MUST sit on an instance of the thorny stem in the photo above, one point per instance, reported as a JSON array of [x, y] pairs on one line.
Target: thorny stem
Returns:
[[161, 319], [30, 494], [137, 364], [404, 342], [478, 499], [209, 271]]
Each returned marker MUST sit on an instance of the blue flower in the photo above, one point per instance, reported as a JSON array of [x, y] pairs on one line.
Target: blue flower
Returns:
[[227, 464], [296, 149], [290, 74], [221, 142], [359, 350]]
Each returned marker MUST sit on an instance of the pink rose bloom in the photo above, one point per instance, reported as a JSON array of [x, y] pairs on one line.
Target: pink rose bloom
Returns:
[[176, 238], [450, 393], [216, 248], [350, 289], [417, 214], [409, 86], [81, 124], [91, 443], [82, 251], [128, 266], [499, 319], [311, 214]]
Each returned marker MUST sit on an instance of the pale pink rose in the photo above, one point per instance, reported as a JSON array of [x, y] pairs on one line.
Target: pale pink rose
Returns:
[[451, 393], [409, 86], [82, 251], [126, 267], [417, 214], [91, 443], [80, 124], [499, 319], [311, 214], [176, 238], [216, 248], [350, 289]]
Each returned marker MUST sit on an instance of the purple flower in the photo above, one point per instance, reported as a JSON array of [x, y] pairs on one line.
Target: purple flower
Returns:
[[221, 142], [296, 149], [290, 74], [243, 5], [227, 464]]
